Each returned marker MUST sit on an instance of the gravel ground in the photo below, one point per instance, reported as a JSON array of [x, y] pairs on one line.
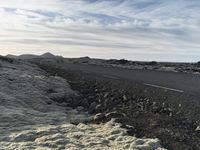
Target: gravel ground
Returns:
[[36, 113]]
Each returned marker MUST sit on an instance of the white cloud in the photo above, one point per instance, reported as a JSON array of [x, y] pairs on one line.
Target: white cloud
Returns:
[[134, 29]]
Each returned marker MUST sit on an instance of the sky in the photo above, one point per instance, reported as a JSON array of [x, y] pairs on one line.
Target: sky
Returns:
[[161, 30]]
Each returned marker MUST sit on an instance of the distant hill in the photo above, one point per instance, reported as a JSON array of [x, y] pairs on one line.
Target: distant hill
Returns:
[[11, 56], [48, 55], [27, 56], [30, 56]]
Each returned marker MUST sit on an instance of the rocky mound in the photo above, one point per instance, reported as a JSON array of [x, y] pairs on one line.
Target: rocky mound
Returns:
[[108, 136]]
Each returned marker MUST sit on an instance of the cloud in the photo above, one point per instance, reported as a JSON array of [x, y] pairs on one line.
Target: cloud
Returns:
[[133, 29]]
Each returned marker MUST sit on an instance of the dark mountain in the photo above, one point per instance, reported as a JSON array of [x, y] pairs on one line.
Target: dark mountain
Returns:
[[27, 56], [48, 55], [11, 56]]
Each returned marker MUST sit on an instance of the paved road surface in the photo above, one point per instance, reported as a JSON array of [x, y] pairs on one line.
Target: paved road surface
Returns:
[[178, 82]]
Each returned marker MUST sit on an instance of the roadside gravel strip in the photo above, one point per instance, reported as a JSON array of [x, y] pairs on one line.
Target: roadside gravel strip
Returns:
[[35, 114]]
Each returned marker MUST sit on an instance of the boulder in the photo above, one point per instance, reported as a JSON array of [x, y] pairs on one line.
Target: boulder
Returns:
[[197, 129], [114, 114], [99, 117], [98, 108], [125, 98]]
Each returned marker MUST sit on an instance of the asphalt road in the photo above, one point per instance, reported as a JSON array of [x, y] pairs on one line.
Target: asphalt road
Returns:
[[172, 81]]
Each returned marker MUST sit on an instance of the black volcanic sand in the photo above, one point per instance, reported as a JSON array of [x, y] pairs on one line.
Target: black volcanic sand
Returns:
[[136, 107]]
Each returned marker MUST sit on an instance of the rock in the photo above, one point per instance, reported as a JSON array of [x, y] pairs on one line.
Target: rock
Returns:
[[197, 129], [141, 106], [114, 114], [98, 108], [100, 100], [170, 112], [106, 95], [99, 117], [125, 98], [163, 105]]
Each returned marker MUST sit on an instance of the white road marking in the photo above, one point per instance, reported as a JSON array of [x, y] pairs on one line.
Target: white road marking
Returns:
[[162, 87], [111, 77]]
